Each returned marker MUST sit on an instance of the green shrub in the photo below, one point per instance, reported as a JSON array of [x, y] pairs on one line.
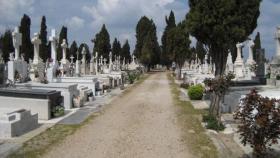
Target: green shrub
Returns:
[[58, 111], [185, 85], [196, 92], [212, 123]]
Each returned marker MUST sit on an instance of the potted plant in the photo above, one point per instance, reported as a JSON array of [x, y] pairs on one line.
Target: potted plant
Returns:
[[58, 111]]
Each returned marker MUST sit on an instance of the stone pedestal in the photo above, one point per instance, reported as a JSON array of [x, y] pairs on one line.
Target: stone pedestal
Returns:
[[19, 68]]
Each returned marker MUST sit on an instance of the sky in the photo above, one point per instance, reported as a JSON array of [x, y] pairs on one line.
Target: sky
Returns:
[[84, 18]]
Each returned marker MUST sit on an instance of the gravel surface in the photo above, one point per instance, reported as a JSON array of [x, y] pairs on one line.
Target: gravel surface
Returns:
[[140, 124]]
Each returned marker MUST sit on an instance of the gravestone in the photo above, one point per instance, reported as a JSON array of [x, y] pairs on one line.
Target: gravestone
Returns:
[[37, 70], [51, 71], [239, 63], [17, 68], [2, 69]]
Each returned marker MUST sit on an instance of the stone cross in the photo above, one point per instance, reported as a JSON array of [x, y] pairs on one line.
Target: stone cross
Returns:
[[239, 49], [84, 52], [72, 59], [250, 60], [36, 42], [17, 41], [64, 47], [124, 61], [101, 60], [53, 40], [110, 61]]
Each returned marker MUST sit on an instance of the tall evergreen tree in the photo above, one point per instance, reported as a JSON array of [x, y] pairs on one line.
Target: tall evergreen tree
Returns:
[[73, 50], [27, 46], [221, 24], [62, 35], [180, 41], [170, 23], [125, 52], [6, 44], [146, 34], [116, 48], [102, 43], [43, 36], [142, 29], [257, 46]]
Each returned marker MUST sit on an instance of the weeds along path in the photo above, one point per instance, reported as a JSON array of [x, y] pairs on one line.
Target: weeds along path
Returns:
[[140, 124]]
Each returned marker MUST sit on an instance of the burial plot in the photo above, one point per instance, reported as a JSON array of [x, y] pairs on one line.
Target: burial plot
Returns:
[[39, 101]]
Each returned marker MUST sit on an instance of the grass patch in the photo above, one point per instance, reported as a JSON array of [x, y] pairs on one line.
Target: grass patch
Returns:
[[194, 134]]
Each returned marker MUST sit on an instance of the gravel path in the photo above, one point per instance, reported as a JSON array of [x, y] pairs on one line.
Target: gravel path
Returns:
[[140, 124]]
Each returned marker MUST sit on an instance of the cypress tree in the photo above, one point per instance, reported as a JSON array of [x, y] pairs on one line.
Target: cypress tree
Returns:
[[102, 43], [125, 52], [146, 34], [142, 30], [116, 48], [6, 44], [43, 36], [26, 47], [221, 24], [170, 23], [257, 46]]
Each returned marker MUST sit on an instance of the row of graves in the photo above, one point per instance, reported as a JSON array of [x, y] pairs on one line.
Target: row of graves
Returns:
[[260, 74], [36, 90]]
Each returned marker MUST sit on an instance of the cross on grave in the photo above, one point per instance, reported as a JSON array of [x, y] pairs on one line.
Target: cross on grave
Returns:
[[36, 42], [17, 41], [72, 59], [64, 47], [53, 40]]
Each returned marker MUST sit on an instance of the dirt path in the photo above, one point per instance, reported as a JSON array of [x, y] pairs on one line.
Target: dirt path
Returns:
[[141, 124]]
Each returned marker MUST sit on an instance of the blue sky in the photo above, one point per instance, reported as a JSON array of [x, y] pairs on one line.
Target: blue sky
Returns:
[[85, 17]]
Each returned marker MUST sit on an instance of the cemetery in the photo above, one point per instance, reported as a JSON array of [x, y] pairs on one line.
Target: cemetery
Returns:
[[32, 91], [205, 88]]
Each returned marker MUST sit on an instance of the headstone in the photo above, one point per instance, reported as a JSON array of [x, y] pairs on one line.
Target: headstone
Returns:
[[17, 41], [17, 69], [64, 47], [77, 68], [84, 61], [53, 40], [36, 42], [250, 60], [51, 71], [239, 63], [91, 65], [229, 65]]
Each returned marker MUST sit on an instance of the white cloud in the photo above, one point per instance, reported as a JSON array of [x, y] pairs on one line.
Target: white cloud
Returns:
[[12, 10], [126, 11], [75, 23]]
